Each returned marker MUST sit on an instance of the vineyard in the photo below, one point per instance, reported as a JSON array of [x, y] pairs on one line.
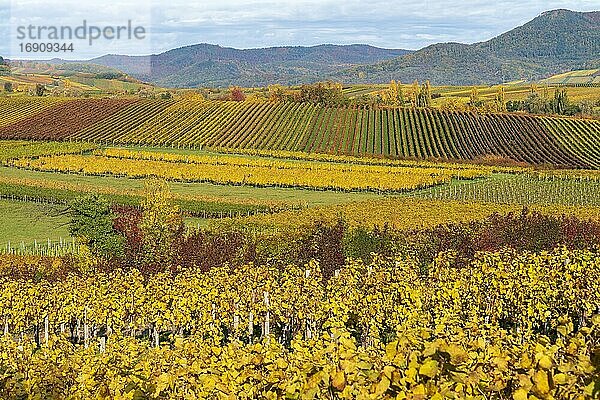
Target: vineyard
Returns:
[[304, 222], [15, 109], [311, 270], [242, 170], [525, 189], [407, 133], [73, 116], [297, 127], [506, 326], [10, 150], [398, 212]]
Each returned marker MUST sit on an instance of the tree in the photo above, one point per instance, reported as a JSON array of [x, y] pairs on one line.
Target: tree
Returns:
[[394, 95], [324, 93], [452, 104], [415, 93], [424, 95], [40, 90], [500, 99], [276, 93], [533, 88], [560, 104], [474, 97], [400, 95], [8, 87], [236, 93], [92, 224], [387, 96], [534, 104], [426, 89], [161, 223]]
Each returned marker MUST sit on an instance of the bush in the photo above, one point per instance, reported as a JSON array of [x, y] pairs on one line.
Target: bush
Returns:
[[524, 231], [361, 243]]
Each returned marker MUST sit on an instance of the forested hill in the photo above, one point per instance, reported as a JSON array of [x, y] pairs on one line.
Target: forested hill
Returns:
[[211, 65], [554, 42]]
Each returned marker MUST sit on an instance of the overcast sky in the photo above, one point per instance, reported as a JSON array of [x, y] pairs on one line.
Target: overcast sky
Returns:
[[410, 24]]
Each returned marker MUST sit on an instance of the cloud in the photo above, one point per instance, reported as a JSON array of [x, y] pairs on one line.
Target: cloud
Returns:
[[408, 24]]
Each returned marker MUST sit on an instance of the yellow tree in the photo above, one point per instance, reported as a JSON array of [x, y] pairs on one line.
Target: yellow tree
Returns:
[[276, 93], [474, 97], [393, 89], [400, 94], [415, 93], [533, 88], [427, 90], [161, 223], [501, 99], [394, 95], [389, 96]]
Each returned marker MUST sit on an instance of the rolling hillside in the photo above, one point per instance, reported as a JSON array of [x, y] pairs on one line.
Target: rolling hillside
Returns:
[[393, 132], [62, 77], [586, 77], [555, 42]]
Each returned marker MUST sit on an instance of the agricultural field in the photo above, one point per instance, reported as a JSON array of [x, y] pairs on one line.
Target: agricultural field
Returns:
[[240, 170], [25, 79], [581, 85], [76, 114], [384, 132], [186, 248], [16, 109], [290, 220], [575, 78]]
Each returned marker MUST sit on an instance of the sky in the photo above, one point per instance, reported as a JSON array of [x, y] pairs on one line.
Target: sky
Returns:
[[410, 24]]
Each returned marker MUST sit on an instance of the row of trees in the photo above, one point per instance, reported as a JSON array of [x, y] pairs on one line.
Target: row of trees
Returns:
[[324, 93], [422, 96], [419, 96]]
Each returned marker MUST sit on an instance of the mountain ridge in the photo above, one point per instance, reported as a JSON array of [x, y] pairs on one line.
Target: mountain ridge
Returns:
[[214, 65], [553, 42]]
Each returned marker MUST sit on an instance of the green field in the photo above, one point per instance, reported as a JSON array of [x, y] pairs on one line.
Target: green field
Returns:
[[26, 222]]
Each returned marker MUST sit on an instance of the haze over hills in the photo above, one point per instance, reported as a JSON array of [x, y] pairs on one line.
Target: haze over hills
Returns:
[[554, 42]]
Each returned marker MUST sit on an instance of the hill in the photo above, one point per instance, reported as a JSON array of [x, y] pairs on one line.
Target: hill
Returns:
[[211, 65], [394, 132], [69, 78], [554, 42], [584, 77]]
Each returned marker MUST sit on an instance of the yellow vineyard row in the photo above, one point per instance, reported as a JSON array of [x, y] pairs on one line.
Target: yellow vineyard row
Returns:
[[237, 170]]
